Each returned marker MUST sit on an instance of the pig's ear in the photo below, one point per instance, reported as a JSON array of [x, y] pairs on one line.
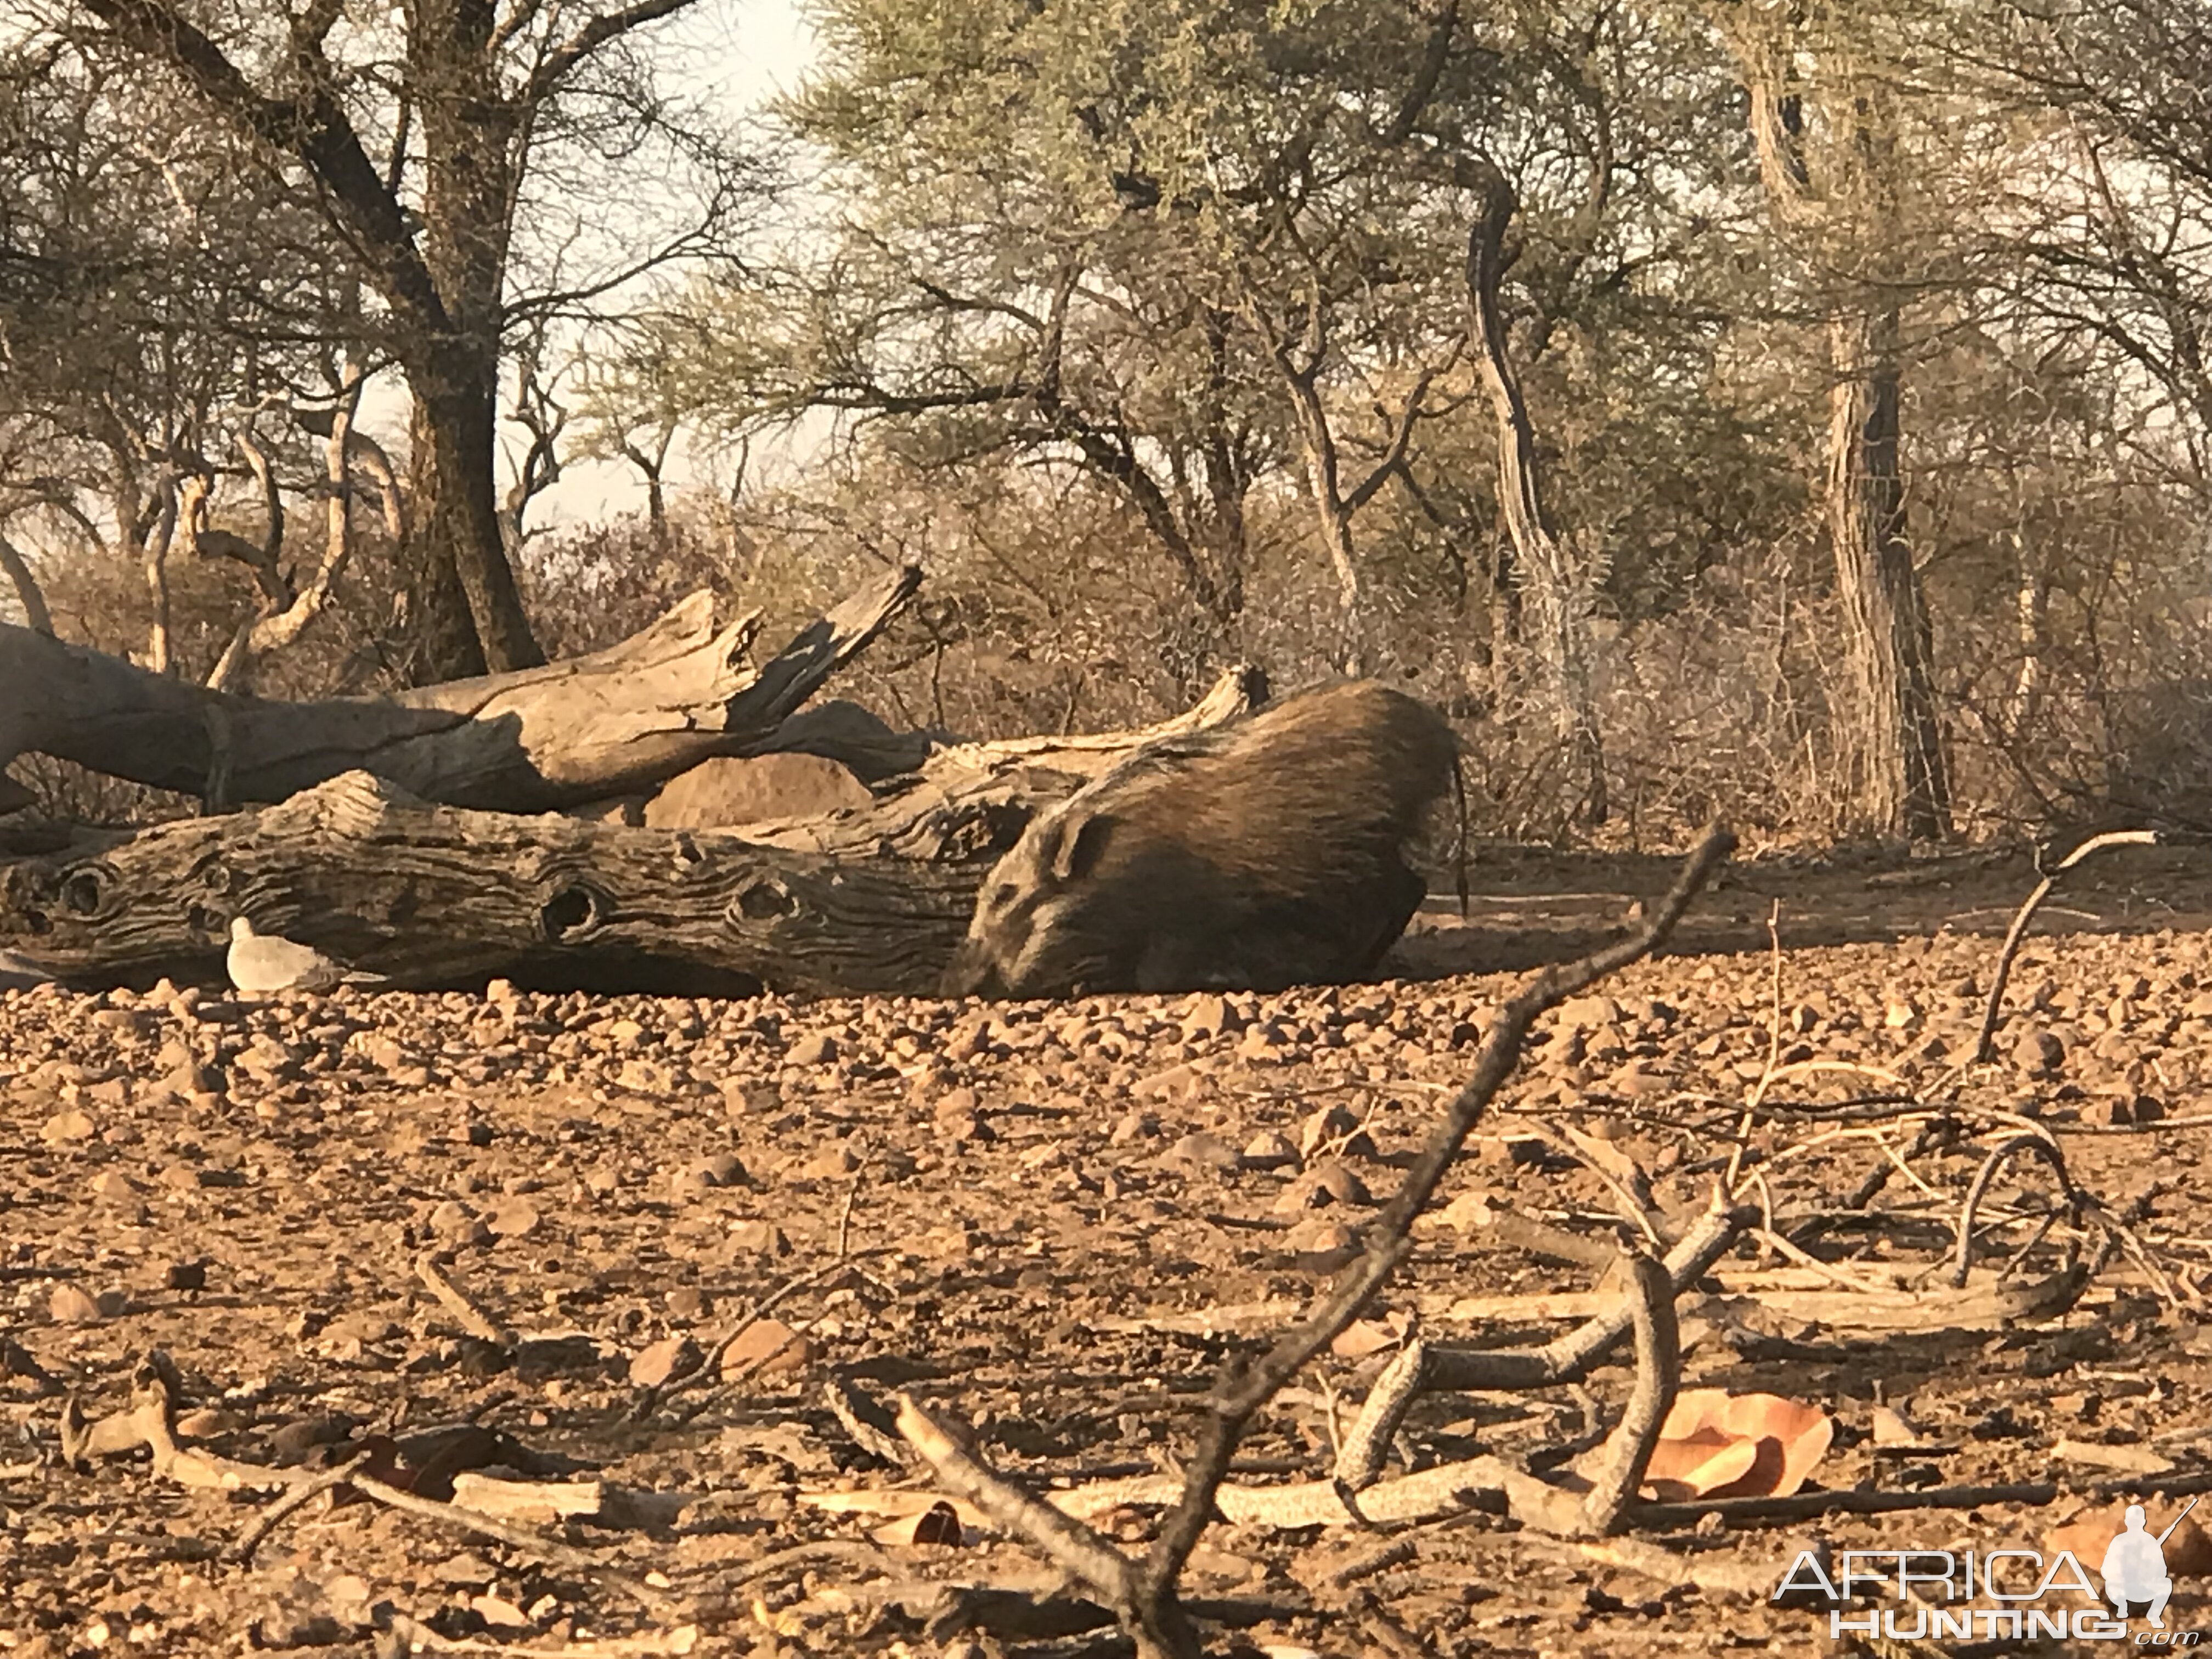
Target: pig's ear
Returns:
[[1080, 847]]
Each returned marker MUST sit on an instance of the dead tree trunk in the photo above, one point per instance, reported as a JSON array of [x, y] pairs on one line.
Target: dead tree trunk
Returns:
[[871, 900], [439, 896], [28, 594], [1559, 588], [1889, 729], [1892, 727], [620, 719]]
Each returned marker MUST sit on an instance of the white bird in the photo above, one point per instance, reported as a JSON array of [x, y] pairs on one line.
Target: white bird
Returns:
[[262, 963]]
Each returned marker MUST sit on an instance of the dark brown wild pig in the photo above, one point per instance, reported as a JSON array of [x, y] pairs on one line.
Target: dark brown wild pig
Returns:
[[1266, 853]]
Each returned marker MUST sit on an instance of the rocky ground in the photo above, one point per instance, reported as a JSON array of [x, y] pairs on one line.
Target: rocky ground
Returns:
[[1053, 1224]]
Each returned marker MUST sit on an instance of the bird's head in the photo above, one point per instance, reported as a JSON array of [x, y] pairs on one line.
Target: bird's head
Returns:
[[241, 928]]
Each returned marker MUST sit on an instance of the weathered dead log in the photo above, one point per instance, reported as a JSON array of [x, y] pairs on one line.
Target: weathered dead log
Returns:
[[432, 895], [619, 719], [972, 800], [873, 899]]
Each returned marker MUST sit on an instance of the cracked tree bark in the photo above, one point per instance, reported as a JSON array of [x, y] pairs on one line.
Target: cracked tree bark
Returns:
[[1559, 585], [570, 733]]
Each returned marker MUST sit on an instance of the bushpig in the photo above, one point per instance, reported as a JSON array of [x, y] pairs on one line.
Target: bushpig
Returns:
[[1257, 855]]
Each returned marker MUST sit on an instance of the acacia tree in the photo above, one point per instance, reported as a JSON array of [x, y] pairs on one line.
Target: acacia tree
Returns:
[[421, 134], [1181, 253], [1829, 155], [140, 341], [2110, 234]]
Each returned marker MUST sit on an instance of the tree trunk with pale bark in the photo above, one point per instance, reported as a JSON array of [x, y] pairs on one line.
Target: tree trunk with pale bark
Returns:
[[1889, 726], [1558, 585]]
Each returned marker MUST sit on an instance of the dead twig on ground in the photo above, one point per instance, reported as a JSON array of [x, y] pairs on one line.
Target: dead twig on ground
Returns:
[[1985, 1043], [290, 1503], [473, 1317], [523, 1539], [2041, 1145], [1621, 1464], [709, 1363]]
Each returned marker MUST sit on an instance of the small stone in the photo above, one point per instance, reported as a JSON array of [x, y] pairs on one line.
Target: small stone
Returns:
[[723, 1169], [1343, 1185], [65, 1128], [206, 1423], [830, 1163], [956, 1103], [282, 1627], [1132, 1126], [645, 1077], [476, 1132], [688, 1302], [189, 1080], [185, 1276], [69, 1305], [113, 1185], [513, 1221], [963, 1129], [1321, 1246], [1587, 1013], [817, 1050], [762, 1238], [743, 1097], [1209, 1016], [2039, 1053], [292, 1442], [1269, 1151], [502, 993], [767, 1347], [451, 1219], [1176, 1082], [1261, 1044], [1892, 1428], [1320, 1128], [1210, 1150], [671, 1356], [499, 1612]]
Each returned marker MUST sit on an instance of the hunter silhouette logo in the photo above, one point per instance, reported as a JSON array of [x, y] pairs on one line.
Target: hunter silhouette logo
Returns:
[[2023, 1594], [2134, 1567]]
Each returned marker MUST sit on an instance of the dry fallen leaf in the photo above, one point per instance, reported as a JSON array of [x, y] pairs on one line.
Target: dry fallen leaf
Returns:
[[938, 1524], [1718, 1444], [1696, 1464]]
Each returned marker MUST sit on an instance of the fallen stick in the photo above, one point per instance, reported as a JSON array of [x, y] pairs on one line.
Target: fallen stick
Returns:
[[709, 1362], [289, 1503], [647, 1644], [473, 1319], [1985, 1041], [529, 1542], [1242, 1391]]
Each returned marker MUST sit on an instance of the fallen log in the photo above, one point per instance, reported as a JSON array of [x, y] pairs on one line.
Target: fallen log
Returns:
[[432, 895], [621, 720], [870, 899]]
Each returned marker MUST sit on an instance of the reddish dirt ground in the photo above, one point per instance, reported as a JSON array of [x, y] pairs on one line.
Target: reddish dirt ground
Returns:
[[1059, 1221]]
